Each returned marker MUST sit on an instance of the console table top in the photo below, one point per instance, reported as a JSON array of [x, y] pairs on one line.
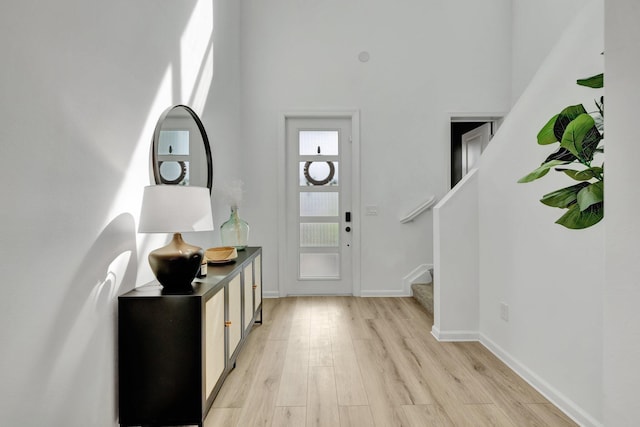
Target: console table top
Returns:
[[216, 277]]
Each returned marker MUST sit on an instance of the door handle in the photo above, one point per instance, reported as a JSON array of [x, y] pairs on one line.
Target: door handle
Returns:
[[347, 217]]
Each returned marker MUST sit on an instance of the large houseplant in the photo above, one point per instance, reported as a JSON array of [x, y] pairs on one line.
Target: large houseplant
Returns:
[[579, 134]]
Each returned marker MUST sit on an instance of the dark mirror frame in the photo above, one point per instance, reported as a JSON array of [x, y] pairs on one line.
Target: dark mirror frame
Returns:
[[203, 134]]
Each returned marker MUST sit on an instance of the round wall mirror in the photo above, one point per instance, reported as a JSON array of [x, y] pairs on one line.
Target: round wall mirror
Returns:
[[181, 154]]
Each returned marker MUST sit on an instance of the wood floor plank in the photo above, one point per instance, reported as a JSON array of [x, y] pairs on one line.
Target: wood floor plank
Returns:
[[258, 410], [348, 318], [347, 374], [322, 402], [551, 415], [367, 308], [295, 416], [451, 380], [389, 416], [300, 318], [402, 372], [496, 373], [227, 417], [383, 385], [279, 318], [356, 416], [237, 385], [509, 392], [293, 383], [426, 415], [320, 350], [387, 315], [485, 415]]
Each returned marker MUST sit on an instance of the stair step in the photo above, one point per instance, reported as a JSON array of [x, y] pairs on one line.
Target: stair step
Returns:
[[423, 293]]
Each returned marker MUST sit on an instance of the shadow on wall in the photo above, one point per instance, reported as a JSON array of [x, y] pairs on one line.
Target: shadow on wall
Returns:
[[84, 331]]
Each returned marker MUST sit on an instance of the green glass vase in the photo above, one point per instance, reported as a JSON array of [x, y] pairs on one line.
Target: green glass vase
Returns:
[[235, 231]]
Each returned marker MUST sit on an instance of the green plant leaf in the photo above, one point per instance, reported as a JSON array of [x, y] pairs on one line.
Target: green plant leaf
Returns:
[[590, 143], [576, 219], [565, 117], [583, 175], [541, 171], [564, 197], [546, 135], [595, 82], [575, 134], [562, 154], [590, 195]]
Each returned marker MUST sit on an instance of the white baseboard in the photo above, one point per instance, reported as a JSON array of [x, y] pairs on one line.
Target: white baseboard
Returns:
[[454, 336], [270, 294], [387, 293], [566, 405]]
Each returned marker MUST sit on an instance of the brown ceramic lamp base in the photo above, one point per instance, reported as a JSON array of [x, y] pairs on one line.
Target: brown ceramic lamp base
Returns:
[[176, 265]]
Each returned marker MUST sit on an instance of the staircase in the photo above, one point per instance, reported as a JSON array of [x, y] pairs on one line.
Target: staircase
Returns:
[[423, 293]]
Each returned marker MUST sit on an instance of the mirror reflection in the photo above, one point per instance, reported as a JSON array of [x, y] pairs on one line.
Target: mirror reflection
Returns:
[[181, 152]]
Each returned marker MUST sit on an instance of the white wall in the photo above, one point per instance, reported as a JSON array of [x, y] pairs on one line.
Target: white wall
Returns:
[[622, 266], [536, 25], [456, 262], [83, 83], [303, 55], [550, 277]]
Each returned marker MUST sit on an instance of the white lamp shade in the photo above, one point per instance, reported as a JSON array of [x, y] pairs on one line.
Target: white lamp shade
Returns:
[[175, 209]]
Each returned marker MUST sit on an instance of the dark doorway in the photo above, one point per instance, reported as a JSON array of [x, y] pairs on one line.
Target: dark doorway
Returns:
[[459, 128]]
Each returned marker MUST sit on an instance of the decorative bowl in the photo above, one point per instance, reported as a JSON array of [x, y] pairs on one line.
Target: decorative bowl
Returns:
[[221, 254]]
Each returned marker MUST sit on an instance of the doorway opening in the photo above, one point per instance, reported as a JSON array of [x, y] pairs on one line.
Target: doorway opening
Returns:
[[469, 137]]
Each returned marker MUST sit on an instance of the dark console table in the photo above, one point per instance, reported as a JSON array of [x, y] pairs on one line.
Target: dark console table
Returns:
[[174, 351]]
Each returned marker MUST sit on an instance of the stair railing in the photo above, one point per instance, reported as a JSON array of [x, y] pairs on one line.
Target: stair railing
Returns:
[[418, 210]]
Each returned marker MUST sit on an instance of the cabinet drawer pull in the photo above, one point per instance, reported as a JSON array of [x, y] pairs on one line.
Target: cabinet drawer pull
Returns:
[[255, 286], [227, 324]]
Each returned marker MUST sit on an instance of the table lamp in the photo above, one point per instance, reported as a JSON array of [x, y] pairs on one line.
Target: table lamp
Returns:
[[175, 209]]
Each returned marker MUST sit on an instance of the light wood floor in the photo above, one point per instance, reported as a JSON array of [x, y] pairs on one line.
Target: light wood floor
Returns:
[[345, 361]]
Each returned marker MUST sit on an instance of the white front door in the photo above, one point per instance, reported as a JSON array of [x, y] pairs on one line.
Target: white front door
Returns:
[[318, 206]]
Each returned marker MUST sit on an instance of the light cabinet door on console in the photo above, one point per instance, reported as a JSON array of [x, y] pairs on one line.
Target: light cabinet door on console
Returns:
[[248, 296], [214, 340], [257, 282], [234, 320]]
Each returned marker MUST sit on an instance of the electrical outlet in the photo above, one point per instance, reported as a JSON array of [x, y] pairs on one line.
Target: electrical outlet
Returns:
[[504, 311]]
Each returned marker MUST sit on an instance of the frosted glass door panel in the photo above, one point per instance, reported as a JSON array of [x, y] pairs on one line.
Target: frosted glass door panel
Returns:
[[174, 142], [319, 266], [319, 173], [319, 235], [313, 140], [175, 172], [319, 204]]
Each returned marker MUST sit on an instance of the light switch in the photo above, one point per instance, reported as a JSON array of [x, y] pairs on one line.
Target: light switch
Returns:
[[371, 210]]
